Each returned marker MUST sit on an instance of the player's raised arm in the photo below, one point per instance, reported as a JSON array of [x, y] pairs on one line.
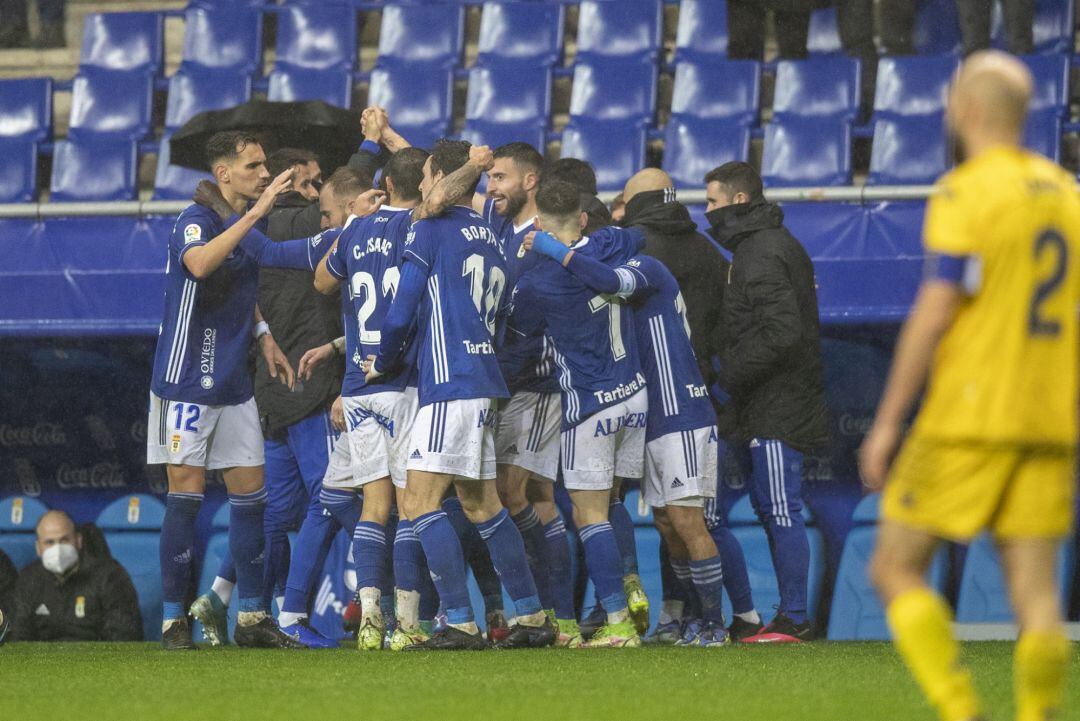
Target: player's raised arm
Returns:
[[204, 258], [453, 186], [400, 317], [625, 281]]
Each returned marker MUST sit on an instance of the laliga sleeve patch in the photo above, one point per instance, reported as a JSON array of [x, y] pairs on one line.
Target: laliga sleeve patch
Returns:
[[192, 233]]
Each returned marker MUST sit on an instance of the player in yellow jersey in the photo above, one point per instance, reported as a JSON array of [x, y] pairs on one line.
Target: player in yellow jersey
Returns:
[[994, 337]]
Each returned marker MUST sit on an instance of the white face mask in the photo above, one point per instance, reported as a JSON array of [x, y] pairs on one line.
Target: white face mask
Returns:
[[59, 558]]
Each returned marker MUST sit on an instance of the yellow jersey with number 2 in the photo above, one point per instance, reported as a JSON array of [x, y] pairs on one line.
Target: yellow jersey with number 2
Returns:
[[1006, 225]]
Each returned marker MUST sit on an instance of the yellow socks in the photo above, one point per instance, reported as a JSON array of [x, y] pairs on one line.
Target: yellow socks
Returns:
[[920, 620], [1041, 661]]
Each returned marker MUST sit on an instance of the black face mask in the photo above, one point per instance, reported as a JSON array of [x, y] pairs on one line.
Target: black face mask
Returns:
[[720, 217], [648, 199]]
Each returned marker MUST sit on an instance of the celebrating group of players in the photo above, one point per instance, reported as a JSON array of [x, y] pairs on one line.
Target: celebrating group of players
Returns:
[[490, 348]]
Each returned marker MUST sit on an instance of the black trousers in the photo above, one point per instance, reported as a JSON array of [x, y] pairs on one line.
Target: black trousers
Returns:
[[746, 28], [1019, 16], [14, 11]]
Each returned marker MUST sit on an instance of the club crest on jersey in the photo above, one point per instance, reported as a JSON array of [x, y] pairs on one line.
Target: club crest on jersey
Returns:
[[192, 233], [207, 382], [80, 607]]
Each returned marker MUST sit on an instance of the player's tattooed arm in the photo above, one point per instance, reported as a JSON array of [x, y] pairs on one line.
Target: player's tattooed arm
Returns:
[[452, 188]]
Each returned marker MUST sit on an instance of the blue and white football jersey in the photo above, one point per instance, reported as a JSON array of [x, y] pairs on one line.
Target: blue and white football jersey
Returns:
[[527, 362], [205, 334], [466, 281], [678, 398], [368, 258], [596, 353]]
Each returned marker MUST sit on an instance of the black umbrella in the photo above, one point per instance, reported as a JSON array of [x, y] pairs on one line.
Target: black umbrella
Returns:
[[330, 132]]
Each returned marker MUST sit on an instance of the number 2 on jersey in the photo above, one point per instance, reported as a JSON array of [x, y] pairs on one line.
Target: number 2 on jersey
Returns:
[[1049, 242], [487, 304], [364, 282]]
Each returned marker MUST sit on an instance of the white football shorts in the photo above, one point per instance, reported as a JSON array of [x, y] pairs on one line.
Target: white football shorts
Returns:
[[212, 437], [380, 429], [606, 445], [527, 435], [339, 470], [455, 437], [680, 468]]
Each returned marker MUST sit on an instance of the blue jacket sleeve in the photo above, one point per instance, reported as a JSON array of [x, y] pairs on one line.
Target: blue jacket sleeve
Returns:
[[399, 319]]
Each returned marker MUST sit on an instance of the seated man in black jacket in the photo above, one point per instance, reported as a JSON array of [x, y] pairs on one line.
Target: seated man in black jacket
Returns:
[[8, 575], [68, 596], [771, 367]]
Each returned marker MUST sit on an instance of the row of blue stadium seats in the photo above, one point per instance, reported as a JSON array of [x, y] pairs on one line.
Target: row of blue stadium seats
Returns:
[[132, 524], [715, 102], [228, 36]]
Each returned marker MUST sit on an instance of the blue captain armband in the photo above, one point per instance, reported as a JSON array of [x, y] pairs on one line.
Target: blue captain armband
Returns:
[[963, 270]]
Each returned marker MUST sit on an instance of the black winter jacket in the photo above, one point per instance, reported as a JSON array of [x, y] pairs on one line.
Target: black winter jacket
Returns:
[[672, 237], [771, 364], [96, 602]]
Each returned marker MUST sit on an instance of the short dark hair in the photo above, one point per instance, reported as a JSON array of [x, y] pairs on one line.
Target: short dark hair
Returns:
[[522, 154], [346, 182], [449, 155], [284, 158], [406, 167], [558, 198], [738, 177], [227, 145], [576, 172]]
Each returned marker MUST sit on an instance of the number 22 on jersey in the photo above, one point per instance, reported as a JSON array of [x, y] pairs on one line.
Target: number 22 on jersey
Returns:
[[363, 283]]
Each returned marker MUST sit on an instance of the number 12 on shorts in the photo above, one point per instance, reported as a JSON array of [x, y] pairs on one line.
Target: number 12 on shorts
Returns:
[[187, 417]]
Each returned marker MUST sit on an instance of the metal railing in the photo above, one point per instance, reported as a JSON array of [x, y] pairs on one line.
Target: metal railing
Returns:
[[845, 194]]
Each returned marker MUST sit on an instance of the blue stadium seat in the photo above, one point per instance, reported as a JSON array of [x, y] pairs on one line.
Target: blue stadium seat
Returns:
[[630, 28], [857, 614], [319, 37], [508, 100], [19, 516], [759, 567], [225, 38], [174, 182], [615, 148], [711, 87], [291, 83], [818, 87], [422, 33], [937, 27], [132, 528], [194, 89], [703, 28], [112, 101], [823, 37], [521, 31], [913, 85], [694, 146], [18, 170], [908, 151], [94, 166], [1043, 133], [806, 151], [26, 108], [123, 41], [417, 96], [1053, 28], [1051, 76], [613, 88], [984, 597]]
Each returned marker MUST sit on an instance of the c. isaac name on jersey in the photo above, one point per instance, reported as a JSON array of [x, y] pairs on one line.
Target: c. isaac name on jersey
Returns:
[[374, 245]]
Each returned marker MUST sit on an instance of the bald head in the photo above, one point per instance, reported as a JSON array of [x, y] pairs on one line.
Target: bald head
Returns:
[[989, 97], [645, 180], [56, 527]]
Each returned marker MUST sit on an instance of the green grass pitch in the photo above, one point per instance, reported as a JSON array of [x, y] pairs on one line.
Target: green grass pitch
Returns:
[[819, 681]]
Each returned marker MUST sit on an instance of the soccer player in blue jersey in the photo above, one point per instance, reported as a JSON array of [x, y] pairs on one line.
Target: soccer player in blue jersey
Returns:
[[202, 413], [452, 286], [379, 416], [527, 434], [680, 438], [603, 390]]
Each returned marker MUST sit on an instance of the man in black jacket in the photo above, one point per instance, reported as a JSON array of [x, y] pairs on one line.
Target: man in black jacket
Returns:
[[771, 367], [68, 596], [672, 237]]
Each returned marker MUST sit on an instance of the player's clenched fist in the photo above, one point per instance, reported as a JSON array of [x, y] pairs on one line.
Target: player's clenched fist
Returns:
[[481, 156], [368, 202]]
